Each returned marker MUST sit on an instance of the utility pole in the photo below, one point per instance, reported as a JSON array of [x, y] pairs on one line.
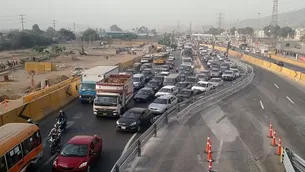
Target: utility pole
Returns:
[[74, 27], [191, 27], [22, 21], [178, 26], [258, 28], [220, 20], [54, 24]]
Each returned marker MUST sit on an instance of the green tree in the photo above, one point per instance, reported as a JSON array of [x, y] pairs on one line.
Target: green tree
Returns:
[[286, 31], [153, 31], [51, 32], [143, 30], [115, 28], [246, 31], [90, 34], [36, 29], [214, 31], [66, 35], [232, 30], [270, 30]]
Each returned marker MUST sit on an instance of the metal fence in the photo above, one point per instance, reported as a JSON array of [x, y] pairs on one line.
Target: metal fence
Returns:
[[292, 162], [194, 104]]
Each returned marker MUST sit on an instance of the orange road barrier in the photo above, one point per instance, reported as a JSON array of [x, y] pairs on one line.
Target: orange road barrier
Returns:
[[210, 165], [279, 147], [207, 145], [270, 131]]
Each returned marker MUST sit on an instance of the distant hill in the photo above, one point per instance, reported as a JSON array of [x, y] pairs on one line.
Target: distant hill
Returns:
[[294, 19]]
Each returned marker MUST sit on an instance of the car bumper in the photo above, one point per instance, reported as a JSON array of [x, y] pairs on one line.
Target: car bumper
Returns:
[[126, 128], [141, 99], [61, 169], [105, 113]]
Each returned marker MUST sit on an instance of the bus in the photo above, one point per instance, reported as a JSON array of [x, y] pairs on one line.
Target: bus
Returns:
[[160, 59], [20, 147]]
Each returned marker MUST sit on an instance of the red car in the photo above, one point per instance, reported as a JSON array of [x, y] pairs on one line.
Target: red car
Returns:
[[79, 154]]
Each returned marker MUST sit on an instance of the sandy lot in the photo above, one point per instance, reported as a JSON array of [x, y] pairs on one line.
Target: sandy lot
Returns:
[[22, 82]]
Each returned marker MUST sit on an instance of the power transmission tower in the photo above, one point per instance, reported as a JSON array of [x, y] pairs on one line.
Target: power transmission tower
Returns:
[[74, 27], [178, 25], [191, 27], [22, 21], [220, 20], [274, 22], [54, 24]]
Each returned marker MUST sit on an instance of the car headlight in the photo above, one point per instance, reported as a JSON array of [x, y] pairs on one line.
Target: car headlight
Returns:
[[84, 164], [134, 123], [117, 122]]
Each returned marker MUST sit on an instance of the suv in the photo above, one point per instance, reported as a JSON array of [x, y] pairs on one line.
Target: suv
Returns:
[[228, 75], [163, 103], [166, 90]]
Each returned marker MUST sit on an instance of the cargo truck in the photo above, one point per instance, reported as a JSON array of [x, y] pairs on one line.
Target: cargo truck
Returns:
[[89, 78], [113, 95]]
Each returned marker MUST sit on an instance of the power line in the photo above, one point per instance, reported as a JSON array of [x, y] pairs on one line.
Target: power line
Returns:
[[22, 21], [54, 24]]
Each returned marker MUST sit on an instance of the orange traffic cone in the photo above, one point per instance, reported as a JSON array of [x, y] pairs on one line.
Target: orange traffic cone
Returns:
[[207, 146], [270, 131], [274, 133], [209, 156], [210, 164], [279, 147], [273, 141]]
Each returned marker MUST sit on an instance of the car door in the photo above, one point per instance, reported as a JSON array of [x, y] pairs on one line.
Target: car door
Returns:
[[97, 145], [174, 101], [175, 91], [92, 154]]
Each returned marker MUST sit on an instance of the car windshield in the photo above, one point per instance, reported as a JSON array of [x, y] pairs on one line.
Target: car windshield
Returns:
[[136, 79], [201, 75], [187, 60], [158, 78], [160, 101], [186, 92], [228, 72], [78, 69], [144, 92], [214, 70], [181, 84], [169, 80], [164, 67], [145, 72], [165, 90], [102, 100], [74, 150], [202, 84], [87, 86], [215, 80], [131, 114], [190, 79], [153, 83]]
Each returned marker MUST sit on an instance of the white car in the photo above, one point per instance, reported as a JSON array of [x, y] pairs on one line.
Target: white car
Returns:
[[202, 86], [163, 103], [166, 90], [171, 58], [209, 62], [164, 73], [236, 72], [216, 82]]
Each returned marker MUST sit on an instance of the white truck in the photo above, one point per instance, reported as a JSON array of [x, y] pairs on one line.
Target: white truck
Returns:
[[90, 77], [113, 95]]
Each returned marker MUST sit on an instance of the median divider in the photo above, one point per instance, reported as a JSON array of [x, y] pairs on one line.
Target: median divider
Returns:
[[296, 75]]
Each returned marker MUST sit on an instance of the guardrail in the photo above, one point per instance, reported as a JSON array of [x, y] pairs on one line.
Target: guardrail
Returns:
[[292, 162], [195, 103]]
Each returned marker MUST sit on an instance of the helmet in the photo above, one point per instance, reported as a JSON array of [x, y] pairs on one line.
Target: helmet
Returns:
[[60, 111], [30, 120]]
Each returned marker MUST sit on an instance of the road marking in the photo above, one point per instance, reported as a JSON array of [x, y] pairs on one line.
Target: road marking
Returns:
[[77, 116], [128, 143], [219, 152], [276, 86], [199, 159], [45, 140], [262, 105], [49, 160], [290, 99]]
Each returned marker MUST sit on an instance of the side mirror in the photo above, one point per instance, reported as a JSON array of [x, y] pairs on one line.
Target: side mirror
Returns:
[[92, 153]]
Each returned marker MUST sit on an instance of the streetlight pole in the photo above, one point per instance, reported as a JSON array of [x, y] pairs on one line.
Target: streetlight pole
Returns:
[[258, 28]]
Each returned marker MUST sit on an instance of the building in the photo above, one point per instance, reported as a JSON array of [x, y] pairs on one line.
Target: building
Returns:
[[260, 34], [291, 49], [116, 34], [299, 33]]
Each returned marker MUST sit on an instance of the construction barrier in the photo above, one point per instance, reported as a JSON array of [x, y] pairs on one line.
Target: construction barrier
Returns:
[[45, 91], [33, 66], [128, 64], [296, 75], [288, 60], [42, 106]]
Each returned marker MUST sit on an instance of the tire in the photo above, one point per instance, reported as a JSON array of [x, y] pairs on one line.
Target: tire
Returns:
[[139, 128]]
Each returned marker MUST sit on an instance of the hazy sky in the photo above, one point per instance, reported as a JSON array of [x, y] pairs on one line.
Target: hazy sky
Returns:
[[131, 13]]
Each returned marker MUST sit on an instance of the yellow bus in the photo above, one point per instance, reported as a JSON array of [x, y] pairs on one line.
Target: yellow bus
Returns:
[[160, 58], [20, 147]]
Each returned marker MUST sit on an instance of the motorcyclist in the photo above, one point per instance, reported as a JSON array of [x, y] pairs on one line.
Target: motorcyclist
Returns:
[[62, 118], [56, 134]]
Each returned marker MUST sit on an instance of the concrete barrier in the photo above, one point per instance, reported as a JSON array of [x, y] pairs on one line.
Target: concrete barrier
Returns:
[[287, 60], [42, 106]]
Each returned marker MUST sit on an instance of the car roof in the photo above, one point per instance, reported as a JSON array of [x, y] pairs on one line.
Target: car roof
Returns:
[[81, 139], [146, 88], [186, 89], [203, 82], [169, 86], [138, 75], [136, 109], [166, 96], [228, 71]]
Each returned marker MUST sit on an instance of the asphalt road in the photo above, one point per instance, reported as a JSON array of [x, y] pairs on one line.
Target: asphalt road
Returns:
[[81, 121], [287, 65]]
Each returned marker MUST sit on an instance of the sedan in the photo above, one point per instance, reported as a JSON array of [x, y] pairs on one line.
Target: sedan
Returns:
[[202, 86], [182, 85], [79, 154], [215, 73], [216, 82], [144, 95], [134, 119], [165, 68], [154, 84], [163, 103], [159, 78], [147, 74], [184, 94]]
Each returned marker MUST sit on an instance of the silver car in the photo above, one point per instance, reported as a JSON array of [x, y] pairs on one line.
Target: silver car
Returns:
[[215, 73], [163, 103]]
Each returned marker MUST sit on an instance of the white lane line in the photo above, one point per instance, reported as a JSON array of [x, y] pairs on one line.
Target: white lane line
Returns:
[[290, 99], [45, 140], [276, 86], [262, 105], [219, 152], [128, 143], [199, 159]]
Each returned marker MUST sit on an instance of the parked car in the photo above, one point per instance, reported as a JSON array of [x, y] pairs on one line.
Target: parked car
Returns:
[[165, 68], [170, 89], [228, 75], [202, 86], [144, 95], [216, 82], [134, 119], [163, 103], [80, 153], [184, 94], [154, 84], [191, 80]]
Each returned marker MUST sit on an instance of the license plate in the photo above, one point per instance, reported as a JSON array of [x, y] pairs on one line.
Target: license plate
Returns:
[[123, 128], [104, 113]]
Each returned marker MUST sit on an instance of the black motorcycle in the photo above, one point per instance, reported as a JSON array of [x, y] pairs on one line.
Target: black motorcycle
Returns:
[[62, 125], [54, 145]]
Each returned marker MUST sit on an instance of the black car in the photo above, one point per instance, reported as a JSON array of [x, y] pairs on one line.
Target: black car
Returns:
[[148, 74], [144, 95], [191, 80], [145, 66], [182, 85], [159, 78], [279, 63], [154, 84], [170, 63], [134, 119], [184, 94]]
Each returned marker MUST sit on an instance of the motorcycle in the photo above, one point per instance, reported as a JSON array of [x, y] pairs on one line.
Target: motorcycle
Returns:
[[53, 145], [62, 125]]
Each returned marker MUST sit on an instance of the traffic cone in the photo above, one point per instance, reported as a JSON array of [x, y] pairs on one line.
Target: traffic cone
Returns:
[[274, 133], [279, 147], [210, 148], [210, 164], [270, 131], [273, 141], [209, 156], [207, 147]]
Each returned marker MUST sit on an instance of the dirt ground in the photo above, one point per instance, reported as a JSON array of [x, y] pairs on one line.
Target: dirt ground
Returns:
[[22, 82]]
